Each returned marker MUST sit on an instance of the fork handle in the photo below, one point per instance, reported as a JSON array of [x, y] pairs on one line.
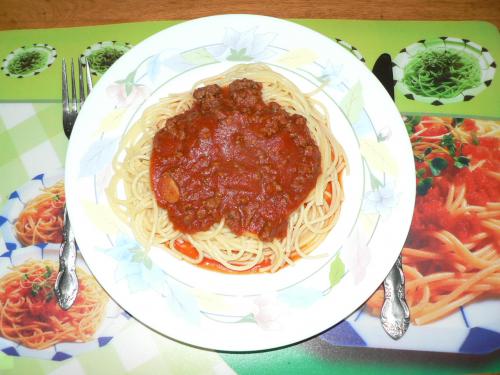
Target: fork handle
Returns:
[[395, 314], [66, 286]]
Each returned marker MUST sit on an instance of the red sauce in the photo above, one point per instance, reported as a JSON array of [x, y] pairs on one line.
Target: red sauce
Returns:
[[189, 250], [430, 211], [37, 298], [235, 157]]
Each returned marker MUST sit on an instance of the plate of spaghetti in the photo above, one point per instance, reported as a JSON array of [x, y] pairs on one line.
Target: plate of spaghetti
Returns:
[[32, 323], [34, 212], [237, 182]]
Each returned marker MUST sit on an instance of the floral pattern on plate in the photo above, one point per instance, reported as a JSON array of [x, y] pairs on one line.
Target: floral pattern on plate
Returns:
[[171, 296]]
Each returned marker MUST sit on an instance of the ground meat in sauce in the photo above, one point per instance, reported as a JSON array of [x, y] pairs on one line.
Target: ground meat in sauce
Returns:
[[235, 157]]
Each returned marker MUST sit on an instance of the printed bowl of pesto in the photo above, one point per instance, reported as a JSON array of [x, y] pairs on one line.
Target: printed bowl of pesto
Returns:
[[443, 70], [102, 55], [28, 61]]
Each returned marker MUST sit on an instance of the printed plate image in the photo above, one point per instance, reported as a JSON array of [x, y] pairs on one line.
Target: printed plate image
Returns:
[[31, 322], [33, 214], [443, 70], [28, 61], [102, 55], [351, 49]]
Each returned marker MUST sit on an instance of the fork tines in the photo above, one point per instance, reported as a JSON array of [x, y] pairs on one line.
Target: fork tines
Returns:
[[72, 105]]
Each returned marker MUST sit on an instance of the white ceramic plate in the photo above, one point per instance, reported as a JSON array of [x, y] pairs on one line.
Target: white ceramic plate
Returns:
[[245, 312]]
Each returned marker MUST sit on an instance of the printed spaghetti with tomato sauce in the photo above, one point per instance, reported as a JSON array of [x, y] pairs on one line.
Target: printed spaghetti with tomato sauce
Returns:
[[242, 174], [452, 254], [41, 220], [30, 315]]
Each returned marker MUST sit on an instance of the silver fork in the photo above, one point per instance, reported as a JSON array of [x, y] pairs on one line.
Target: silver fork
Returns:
[[66, 286]]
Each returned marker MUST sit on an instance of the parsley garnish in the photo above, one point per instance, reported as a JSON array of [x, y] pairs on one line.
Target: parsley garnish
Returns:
[[437, 165], [424, 185], [475, 139], [48, 272], [461, 162], [56, 198], [448, 142], [35, 288], [410, 123]]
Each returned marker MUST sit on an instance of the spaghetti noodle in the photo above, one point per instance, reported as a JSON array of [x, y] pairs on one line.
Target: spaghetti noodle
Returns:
[[30, 315], [130, 195], [452, 254], [41, 221]]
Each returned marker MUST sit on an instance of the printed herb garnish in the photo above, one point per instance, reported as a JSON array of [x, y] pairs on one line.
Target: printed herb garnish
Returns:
[[48, 272], [37, 287], [437, 165], [410, 123], [475, 139], [424, 185], [461, 162], [448, 142]]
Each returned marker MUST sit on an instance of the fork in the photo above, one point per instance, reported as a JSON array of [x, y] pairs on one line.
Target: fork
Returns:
[[66, 286]]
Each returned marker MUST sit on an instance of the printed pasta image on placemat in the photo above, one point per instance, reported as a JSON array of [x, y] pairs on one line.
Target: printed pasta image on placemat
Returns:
[[102, 55], [31, 322], [28, 61], [351, 49], [443, 70]]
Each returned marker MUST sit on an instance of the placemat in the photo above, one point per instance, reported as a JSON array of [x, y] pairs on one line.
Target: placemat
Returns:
[[32, 153]]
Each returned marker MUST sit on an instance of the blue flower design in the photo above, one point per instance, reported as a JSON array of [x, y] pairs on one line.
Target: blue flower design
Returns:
[[97, 156], [244, 46], [178, 61], [135, 266], [337, 76], [382, 200]]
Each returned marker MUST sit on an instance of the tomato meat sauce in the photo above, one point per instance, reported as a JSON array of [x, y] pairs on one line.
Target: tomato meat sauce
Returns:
[[232, 156], [481, 187]]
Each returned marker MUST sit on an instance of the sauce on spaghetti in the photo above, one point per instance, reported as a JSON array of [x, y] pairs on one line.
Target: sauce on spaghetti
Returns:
[[235, 157], [30, 314], [36, 294], [431, 214]]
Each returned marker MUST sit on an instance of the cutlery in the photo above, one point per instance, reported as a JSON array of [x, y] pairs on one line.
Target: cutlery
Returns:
[[66, 286], [395, 314]]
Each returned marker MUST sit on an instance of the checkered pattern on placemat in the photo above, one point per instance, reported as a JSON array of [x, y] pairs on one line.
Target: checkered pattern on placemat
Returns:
[[31, 142]]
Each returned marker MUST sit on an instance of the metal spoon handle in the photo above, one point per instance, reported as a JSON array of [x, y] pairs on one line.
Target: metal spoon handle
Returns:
[[66, 286], [395, 314]]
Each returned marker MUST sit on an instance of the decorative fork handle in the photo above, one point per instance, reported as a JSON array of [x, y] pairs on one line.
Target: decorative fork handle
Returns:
[[66, 286], [395, 314]]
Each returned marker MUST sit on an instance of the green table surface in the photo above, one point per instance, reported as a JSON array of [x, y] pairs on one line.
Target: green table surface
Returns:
[[313, 356]]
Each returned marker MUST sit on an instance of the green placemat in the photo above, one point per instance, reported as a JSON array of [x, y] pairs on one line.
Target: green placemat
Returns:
[[35, 127], [370, 38]]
